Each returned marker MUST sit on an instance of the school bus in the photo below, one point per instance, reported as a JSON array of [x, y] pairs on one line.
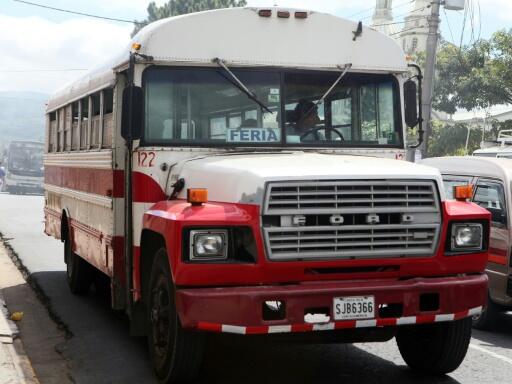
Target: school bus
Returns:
[[240, 171]]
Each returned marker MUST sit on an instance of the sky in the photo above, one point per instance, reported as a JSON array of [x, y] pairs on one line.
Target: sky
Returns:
[[37, 44]]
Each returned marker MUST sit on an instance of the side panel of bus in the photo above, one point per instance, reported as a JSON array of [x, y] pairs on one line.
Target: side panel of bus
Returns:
[[84, 182]]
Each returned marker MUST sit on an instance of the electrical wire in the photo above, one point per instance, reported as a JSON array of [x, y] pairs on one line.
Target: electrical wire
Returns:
[[401, 22], [41, 70], [78, 13], [449, 26], [408, 29], [373, 8]]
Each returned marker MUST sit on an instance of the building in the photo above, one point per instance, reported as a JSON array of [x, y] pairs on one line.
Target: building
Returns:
[[412, 33]]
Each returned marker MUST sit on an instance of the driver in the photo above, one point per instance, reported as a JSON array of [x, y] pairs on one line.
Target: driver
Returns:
[[306, 117]]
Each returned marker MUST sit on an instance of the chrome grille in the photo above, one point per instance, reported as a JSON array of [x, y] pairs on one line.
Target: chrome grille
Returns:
[[351, 241], [298, 225], [350, 197]]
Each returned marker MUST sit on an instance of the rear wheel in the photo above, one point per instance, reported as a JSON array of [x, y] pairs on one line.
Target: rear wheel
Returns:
[[78, 271], [435, 349], [487, 319], [176, 354]]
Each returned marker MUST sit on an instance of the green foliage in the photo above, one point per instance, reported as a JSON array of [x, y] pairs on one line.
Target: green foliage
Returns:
[[474, 76], [181, 7], [450, 140]]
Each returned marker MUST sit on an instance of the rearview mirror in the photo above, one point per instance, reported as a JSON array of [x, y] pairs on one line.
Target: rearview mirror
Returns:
[[131, 117], [411, 104]]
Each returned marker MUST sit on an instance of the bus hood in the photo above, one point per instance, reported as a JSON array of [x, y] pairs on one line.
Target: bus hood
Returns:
[[241, 178]]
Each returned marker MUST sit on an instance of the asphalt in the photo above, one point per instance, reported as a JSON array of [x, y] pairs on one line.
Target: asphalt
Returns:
[[99, 349]]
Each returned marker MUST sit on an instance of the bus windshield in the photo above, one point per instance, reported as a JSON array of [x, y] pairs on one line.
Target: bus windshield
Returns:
[[26, 159], [204, 107]]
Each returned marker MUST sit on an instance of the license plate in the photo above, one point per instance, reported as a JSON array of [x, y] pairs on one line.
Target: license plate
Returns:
[[354, 307]]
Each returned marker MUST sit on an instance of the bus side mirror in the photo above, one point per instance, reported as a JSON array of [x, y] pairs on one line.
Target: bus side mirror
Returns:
[[131, 117], [411, 105]]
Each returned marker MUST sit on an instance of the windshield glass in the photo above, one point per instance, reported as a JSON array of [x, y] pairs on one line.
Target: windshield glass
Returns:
[[26, 158], [205, 107]]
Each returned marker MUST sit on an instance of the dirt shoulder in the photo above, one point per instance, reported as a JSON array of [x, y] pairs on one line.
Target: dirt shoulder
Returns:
[[39, 347]]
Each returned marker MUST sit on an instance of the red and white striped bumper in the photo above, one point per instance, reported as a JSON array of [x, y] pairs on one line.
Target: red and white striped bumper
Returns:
[[331, 326], [241, 309]]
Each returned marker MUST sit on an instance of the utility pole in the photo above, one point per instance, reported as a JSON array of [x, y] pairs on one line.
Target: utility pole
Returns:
[[430, 64]]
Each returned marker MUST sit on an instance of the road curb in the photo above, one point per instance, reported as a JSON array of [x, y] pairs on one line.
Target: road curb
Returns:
[[15, 366]]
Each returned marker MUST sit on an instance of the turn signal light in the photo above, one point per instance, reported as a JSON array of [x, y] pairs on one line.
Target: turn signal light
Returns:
[[197, 196], [136, 46], [265, 12], [463, 192]]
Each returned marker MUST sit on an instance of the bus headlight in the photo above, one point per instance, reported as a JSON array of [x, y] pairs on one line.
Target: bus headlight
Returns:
[[466, 237], [208, 245]]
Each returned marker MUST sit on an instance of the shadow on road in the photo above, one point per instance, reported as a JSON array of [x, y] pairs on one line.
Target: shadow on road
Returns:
[[101, 351], [501, 336], [271, 363]]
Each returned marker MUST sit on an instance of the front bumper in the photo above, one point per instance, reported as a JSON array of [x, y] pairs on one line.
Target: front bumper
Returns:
[[240, 309]]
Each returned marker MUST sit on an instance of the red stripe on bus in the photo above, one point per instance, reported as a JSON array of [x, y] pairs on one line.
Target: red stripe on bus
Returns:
[[497, 259], [146, 189], [89, 180], [104, 182]]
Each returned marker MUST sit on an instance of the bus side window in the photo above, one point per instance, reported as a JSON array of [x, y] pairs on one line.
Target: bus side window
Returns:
[[95, 120], [84, 121], [108, 107], [52, 132], [60, 130], [75, 132]]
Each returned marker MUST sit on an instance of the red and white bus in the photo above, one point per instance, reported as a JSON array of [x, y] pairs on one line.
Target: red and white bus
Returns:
[[235, 171]]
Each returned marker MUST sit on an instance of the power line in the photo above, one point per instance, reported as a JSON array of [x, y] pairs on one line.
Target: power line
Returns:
[[401, 22], [408, 29], [449, 26], [372, 8], [78, 13], [42, 70]]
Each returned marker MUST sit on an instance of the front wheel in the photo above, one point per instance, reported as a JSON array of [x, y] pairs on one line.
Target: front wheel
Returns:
[[435, 349], [176, 354]]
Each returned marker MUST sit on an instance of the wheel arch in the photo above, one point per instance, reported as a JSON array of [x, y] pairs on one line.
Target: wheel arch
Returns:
[[151, 241], [65, 225]]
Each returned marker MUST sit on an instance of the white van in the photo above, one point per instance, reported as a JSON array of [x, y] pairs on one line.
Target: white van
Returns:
[[491, 178]]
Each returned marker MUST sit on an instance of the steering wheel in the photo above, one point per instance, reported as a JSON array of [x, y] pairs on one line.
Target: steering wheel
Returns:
[[314, 132]]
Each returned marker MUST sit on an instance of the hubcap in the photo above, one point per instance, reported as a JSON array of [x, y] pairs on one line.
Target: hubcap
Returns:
[[161, 324]]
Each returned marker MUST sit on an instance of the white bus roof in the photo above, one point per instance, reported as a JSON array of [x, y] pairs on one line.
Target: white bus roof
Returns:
[[472, 166], [243, 38]]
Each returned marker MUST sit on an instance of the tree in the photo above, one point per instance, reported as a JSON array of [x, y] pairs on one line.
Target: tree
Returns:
[[181, 7], [450, 140], [474, 76]]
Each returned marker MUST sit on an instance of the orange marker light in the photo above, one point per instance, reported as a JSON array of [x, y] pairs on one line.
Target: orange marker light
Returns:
[[463, 192], [136, 46], [197, 196]]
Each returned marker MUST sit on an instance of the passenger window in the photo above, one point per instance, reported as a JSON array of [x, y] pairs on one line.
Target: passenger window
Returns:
[[108, 122], [491, 196]]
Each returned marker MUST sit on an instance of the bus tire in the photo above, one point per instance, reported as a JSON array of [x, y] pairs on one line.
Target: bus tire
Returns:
[[79, 272], [435, 349], [488, 318], [176, 354]]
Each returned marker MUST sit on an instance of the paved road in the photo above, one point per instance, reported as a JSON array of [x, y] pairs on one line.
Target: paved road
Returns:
[[102, 352]]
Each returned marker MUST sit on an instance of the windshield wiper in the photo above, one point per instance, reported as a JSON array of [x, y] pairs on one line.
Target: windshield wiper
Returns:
[[344, 70], [241, 86]]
